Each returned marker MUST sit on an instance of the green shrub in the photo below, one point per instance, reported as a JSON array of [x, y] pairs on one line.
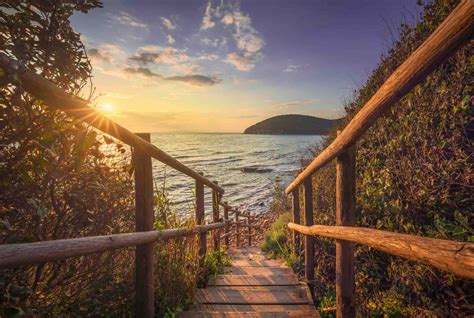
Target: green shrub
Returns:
[[414, 176]]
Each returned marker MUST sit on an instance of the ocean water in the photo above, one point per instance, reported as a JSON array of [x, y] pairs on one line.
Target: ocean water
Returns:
[[246, 166]]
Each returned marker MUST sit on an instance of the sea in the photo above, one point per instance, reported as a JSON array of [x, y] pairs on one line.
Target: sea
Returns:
[[248, 167]]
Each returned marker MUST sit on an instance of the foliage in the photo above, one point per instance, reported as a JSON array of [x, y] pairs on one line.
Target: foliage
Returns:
[[414, 175], [61, 179]]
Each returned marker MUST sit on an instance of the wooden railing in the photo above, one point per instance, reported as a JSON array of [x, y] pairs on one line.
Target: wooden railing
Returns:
[[13, 255], [455, 257]]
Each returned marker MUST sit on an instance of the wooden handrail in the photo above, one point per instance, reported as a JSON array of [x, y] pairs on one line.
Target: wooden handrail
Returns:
[[451, 256], [78, 108], [455, 30], [36, 253]]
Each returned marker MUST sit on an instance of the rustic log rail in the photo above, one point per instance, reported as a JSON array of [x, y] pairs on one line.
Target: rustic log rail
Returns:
[[455, 257], [14, 255]]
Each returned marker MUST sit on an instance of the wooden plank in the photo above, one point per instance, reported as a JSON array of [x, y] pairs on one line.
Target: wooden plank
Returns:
[[455, 31], [254, 308], [226, 228], [451, 256], [144, 220], [202, 238], [254, 280], [308, 239], [250, 314], [237, 229], [296, 219], [345, 215], [252, 270], [265, 262], [253, 295], [215, 218], [249, 228], [36, 253]]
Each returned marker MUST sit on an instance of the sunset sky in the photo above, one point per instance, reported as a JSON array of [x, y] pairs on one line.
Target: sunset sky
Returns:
[[220, 66]]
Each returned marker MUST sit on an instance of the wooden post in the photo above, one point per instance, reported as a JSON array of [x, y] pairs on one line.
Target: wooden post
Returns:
[[296, 219], [345, 215], [215, 218], [226, 227], [199, 221], [308, 239], [249, 223], [237, 229], [144, 219]]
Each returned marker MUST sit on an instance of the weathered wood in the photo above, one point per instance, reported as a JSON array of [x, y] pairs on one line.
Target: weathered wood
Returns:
[[226, 227], [251, 311], [255, 295], [144, 220], [249, 228], [202, 239], [215, 218], [455, 31], [345, 215], [308, 239], [296, 219], [237, 229], [246, 262], [78, 108], [254, 280], [258, 270], [451, 256], [36, 253]]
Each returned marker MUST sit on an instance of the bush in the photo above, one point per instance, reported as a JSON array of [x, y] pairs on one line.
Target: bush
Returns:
[[414, 176]]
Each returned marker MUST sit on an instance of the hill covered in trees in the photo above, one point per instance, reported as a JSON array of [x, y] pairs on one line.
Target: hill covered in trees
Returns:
[[292, 125]]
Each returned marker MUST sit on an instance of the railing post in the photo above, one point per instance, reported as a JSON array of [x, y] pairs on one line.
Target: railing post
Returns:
[[308, 239], [144, 219], [345, 215], [199, 192], [237, 229], [226, 226], [296, 220], [249, 223], [215, 218]]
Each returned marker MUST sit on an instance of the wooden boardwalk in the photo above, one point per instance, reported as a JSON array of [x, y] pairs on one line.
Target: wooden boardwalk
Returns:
[[254, 286]]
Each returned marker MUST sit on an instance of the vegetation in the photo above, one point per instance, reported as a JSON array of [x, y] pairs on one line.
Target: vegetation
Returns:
[[414, 176], [293, 125], [61, 179]]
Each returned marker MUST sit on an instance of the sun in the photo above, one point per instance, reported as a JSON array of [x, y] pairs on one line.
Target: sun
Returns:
[[108, 108]]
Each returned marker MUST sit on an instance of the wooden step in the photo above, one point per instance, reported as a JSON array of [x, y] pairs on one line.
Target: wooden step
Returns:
[[254, 280], [242, 295], [250, 314], [260, 262], [254, 308], [257, 270]]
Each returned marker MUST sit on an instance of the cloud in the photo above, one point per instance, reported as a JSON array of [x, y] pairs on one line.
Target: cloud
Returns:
[[170, 39], [192, 79], [99, 55], [207, 22], [208, 57], [242, 62], [141, 71], [290, 68], [128, 20], [157, 54], [215, 43], [167, 23], [197, 80], [248, 40], [294, 104]]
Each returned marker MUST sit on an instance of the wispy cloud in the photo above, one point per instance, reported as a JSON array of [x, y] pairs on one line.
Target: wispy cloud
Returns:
[[290, 68], [99, 55], [170, 39], [192, 79], [167, 23], [293, 104], [158, 54], [207, 22], [128, 20], [248, 41]]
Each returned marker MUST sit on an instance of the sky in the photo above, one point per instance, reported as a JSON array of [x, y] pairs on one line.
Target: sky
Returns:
[[221, 66]]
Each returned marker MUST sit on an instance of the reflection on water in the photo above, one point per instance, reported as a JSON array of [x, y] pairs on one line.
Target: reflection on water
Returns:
[[246, 166]]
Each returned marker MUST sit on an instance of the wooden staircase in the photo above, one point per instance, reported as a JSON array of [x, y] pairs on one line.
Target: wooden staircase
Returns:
[[254, 286]]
